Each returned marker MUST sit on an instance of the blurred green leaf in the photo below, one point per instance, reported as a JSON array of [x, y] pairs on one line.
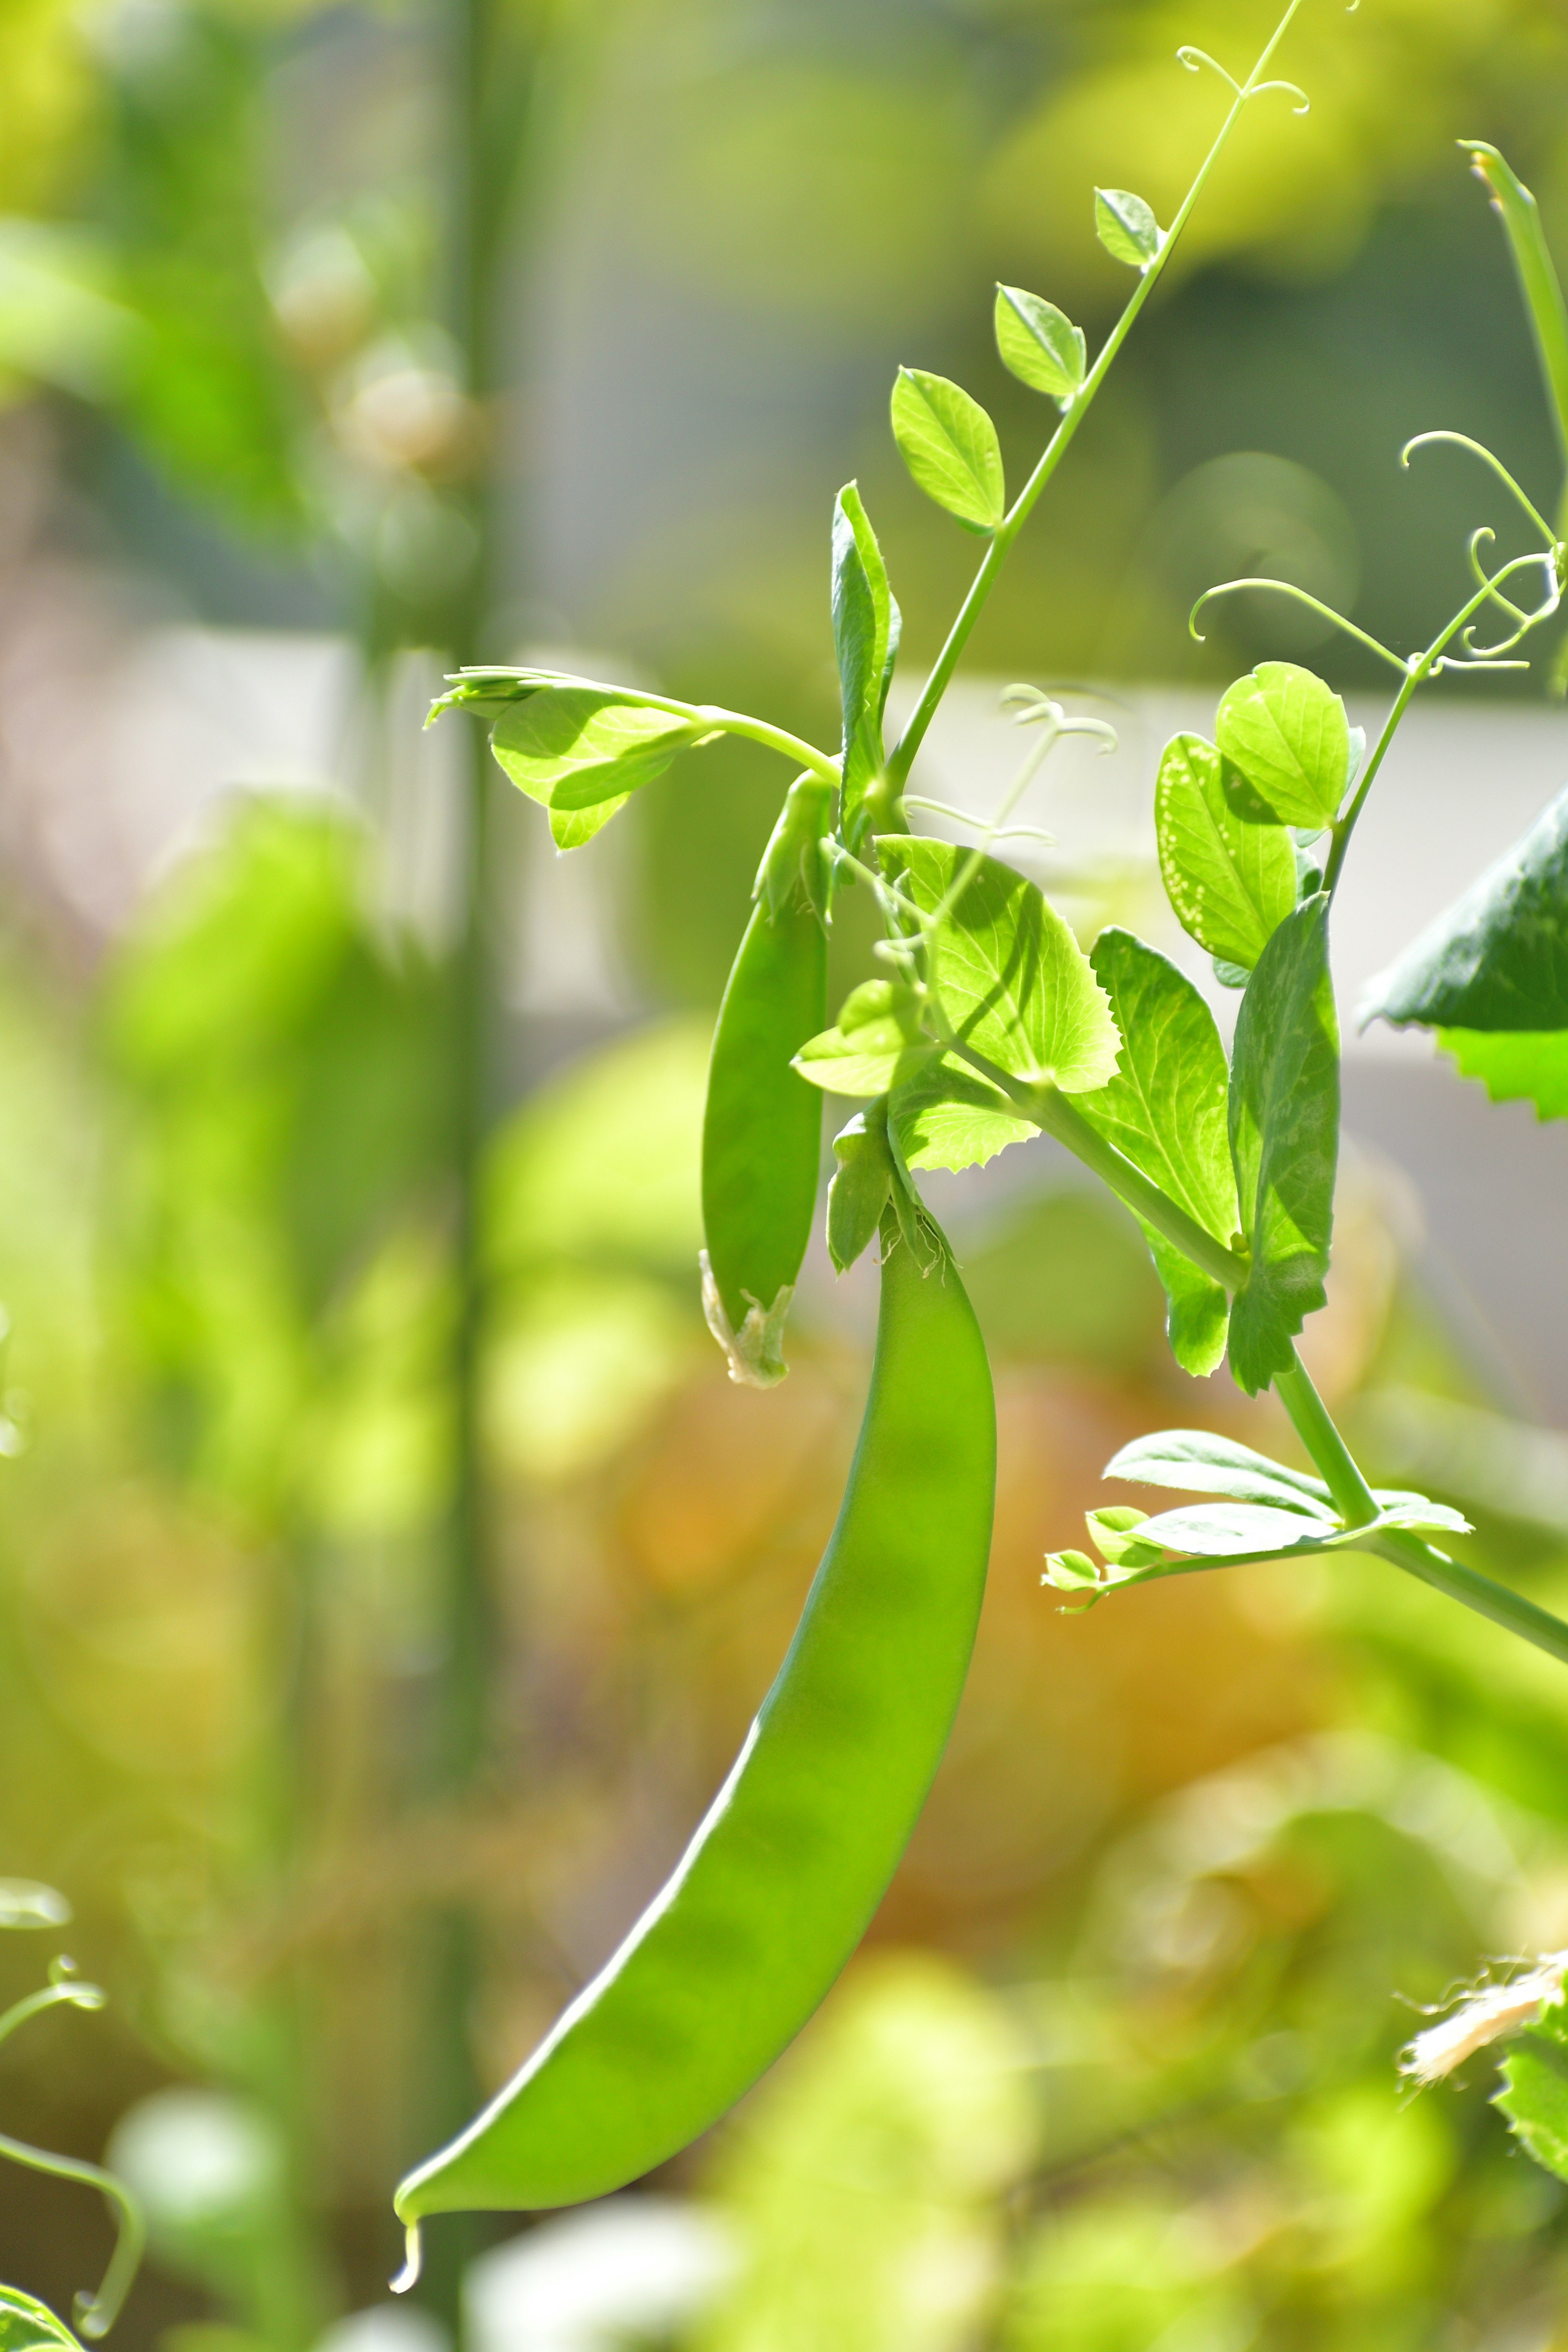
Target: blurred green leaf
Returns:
[[1040, 343], [61, 321], [1230, 882], [1126, 226], [950, 446], [1284, 1141], [1165, 1107], [1289, 735]]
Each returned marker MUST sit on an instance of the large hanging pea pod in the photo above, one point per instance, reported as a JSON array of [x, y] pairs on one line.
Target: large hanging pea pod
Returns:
[[762, 1133], [780, 1880]]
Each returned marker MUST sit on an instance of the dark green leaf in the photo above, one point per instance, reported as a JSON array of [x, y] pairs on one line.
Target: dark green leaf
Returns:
[[1014, 986], [865, 636], [1040, 343], [1284, 1142], [1126, 226], [1230, 880], [950, 446], [1164, 1108], [1290, 737], [1499, 960], [1203, 1464], [1520, 1065]]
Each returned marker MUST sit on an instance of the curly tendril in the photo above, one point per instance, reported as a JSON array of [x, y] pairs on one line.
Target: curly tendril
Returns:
[[1478, 449], [1298, 595]]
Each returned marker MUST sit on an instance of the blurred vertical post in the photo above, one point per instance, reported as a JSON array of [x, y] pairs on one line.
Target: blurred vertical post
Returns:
[[489, 47]]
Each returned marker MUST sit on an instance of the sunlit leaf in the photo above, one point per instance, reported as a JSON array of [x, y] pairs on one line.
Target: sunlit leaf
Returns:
[[1040, 343], [1290, 737], [1284, 1140], [865, 639], [1014, 986], [1126, 226], [877, 1028], [1517, 1066], [28, 2325], [950, 446], [1535, 2094], [1204, 1464], [1117, 1531], [575, 748], [1164, 1108], [1230, 882], [1221, 1530]]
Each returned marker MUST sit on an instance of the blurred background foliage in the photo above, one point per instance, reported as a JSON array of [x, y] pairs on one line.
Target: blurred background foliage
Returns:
[[387, 1571]]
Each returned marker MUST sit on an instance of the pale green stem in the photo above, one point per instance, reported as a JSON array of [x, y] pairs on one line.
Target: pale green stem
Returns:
[[1007, 530]]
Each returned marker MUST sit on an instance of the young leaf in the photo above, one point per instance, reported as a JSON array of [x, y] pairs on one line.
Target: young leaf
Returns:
[[1290, 737], [1117, 1532], [1164, 1108], [862, 1185], [1040, 343], [1497, 960], [1514, 1066], [1230, 881], [1284, 1142], [950, 446], [1201, 1463], [1014, 983], [577, 748], [865, 636], [1126, 227], [878, 1027], [946, 1115], [1225, 1531]]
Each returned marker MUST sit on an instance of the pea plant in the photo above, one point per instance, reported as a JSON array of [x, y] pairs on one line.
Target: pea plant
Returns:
[[26, 2322], [983, 1022]]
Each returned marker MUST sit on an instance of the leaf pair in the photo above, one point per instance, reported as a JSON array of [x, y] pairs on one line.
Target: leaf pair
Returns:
[[1269, 1512], [1491, 975], [579, 749], [1223, 811]]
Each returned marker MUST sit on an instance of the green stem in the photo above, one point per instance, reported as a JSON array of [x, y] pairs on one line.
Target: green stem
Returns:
[[1354, 1501], [1353, 1498], [936, 685]]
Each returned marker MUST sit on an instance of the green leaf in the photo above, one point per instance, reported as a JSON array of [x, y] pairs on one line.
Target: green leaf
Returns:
[[1290, 737], [1040, 343], [877, 1028], [1231, 882], [1518, 1065], [1225, 1531], [1284, 1142], [1164, 1108], [26, 2324], [1014, 986], [1126, 226], [1497, 960], [490, 691], [862, 1185], [1199, 1462], [577, 748], [946, 1115], [1071, 1571], [1118, 1532], [864, 635], [950, 446], [1535, 2094]]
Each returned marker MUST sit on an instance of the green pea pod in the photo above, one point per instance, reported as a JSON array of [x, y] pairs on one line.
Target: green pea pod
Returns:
[[782, 1878], [762, 1134]]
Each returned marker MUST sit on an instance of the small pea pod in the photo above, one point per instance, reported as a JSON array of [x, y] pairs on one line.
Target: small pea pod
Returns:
[[782, 1877], [762, 1134]]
